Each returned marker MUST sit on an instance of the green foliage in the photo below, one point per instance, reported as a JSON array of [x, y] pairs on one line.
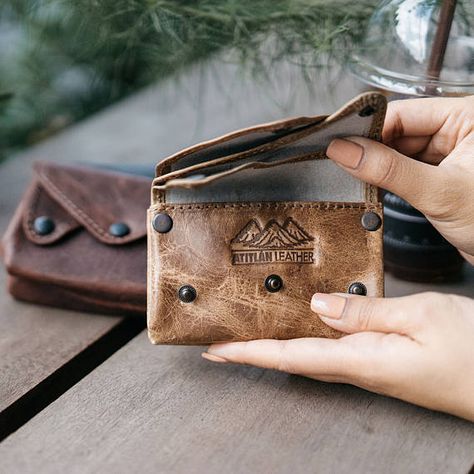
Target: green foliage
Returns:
[[67, 59]]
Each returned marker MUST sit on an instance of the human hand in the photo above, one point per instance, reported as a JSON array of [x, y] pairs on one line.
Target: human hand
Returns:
[[438, 179], [418, 348]]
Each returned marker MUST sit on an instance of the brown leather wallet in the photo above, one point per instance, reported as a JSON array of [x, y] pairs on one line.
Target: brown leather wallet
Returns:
[[245, 228], [77, 240]]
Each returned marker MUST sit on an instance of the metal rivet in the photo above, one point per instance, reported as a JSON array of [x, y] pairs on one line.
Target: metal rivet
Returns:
[[366, 111], [119, 229], [162, 223], [187, 294], [43, 225], [273, 283], [357, 288], [371, 221]]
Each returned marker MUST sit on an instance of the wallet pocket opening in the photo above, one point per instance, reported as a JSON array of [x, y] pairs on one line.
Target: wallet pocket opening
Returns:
[[241, 142], [271, 171], [363, 116], [303, 179], [311, 143]]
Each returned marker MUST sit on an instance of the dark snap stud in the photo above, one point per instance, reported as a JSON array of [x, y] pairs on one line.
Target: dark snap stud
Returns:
[[357, 288], [119, 229], [366, 111], [187, 294], [371, 221], [43, 225], [162, 223], [273, 283]]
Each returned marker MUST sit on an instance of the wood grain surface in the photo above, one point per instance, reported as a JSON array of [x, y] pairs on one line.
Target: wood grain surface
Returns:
[[164, 409], [44, 351], [38, 344]]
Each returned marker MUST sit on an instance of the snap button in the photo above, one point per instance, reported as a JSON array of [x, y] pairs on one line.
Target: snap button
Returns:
[[371, 221], [366, 111], [162, 223], [43, 225], [187, 294], [357, 288], [119, 229], [273, 283]]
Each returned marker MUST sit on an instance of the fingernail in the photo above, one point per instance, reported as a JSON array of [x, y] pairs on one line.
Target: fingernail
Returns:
[[345, 152], [213, 358], [222, 350], [331, 306]]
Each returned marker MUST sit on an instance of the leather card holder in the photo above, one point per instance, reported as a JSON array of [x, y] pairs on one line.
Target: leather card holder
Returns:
[[245, 228]]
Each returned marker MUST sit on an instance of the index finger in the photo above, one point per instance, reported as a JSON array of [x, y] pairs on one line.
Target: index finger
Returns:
[[418, 117], [314, 357]]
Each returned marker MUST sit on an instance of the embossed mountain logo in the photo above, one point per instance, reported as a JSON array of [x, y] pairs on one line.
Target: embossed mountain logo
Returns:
[[286, 243]]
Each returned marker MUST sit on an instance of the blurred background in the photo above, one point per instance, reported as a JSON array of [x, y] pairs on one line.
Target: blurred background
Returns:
[[61, 61]]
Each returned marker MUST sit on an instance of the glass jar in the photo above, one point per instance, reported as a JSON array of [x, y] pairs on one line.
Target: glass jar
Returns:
[[419, 47]]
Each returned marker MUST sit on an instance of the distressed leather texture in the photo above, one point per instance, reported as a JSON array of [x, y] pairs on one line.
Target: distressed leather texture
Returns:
[[227, 248], [80, 265]]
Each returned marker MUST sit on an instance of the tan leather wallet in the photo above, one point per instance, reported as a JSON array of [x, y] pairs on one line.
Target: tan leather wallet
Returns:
[[245, 228]]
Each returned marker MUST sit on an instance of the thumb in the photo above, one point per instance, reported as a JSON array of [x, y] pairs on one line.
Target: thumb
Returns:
[[419, 183], [351, 313]]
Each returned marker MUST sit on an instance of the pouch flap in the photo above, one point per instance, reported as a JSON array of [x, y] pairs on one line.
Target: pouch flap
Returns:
[[76, 196], [363, 116]]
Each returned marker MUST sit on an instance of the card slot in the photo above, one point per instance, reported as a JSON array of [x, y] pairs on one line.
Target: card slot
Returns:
[[202, 179], [276, 163], [361, 117], [304, 180], [266, 152], [307, 147], [307, 144], [235, 143]]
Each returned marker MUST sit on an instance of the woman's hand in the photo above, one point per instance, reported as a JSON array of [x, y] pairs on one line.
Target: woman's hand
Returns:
[[439, 134], [418, 348]]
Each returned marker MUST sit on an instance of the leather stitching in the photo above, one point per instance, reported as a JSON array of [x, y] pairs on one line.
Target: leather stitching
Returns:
[[357, 104], [272, 127], [319, 155], [74, 208], [30, 216], [260, 205]]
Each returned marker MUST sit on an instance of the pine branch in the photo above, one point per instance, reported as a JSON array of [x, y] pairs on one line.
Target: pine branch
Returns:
[[79, 56]]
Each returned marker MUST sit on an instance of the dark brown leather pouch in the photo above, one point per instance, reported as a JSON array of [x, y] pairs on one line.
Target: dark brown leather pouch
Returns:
[[244, 229], [77, 240]]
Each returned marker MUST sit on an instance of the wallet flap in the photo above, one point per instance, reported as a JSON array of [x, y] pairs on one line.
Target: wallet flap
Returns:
[[235, 142], [363, 116], [274, 167], [76, 196]]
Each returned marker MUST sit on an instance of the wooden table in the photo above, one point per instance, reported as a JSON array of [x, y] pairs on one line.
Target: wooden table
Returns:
[[88, 393]]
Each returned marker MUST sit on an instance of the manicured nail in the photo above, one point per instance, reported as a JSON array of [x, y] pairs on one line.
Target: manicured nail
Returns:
[[345, 152], [213, 358], [331, 306]]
